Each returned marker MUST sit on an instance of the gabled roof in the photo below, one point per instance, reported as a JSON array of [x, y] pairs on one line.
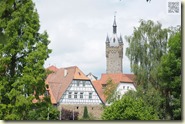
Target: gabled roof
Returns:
[[117, 78], [59, 81], [90, 74]]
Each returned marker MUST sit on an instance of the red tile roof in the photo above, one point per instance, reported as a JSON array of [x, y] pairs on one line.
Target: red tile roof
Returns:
[[52, 68], [117, 78], [58, 82]]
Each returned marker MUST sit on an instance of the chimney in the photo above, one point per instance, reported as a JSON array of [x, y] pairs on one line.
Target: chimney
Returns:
[[65, 72]]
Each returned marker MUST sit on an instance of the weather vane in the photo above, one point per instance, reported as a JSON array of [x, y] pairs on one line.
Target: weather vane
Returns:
[[115, 13]]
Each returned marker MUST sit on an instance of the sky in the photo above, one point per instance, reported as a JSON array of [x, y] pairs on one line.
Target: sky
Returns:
[[77, 29]]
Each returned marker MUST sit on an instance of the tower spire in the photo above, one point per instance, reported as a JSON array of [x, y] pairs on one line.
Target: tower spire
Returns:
[[114, 24]]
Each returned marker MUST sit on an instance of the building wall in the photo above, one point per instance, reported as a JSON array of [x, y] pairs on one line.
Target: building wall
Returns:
[[124, 87], [94, 111], [80, 92], [114, 56]]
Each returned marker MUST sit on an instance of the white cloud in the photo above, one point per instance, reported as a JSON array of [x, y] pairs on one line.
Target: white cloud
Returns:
[[78, 28]]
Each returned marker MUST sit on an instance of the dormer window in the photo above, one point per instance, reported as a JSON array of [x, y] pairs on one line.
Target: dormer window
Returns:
[[79, 73], [47, 93], [104, 86]]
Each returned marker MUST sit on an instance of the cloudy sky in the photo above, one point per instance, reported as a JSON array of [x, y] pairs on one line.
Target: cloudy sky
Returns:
[[77, 29]]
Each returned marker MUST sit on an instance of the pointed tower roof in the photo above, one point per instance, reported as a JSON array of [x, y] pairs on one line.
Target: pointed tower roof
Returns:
[[107, 39], [114, 26], [114, 23], [114, 40]]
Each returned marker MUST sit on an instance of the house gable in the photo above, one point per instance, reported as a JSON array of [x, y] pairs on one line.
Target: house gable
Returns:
[[119, 79], [63, 85]]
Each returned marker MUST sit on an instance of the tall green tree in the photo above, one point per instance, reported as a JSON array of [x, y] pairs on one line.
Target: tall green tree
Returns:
[[170, 76], [155, 56], [85, 114], [23, 51], [110, 92], [147, 44]]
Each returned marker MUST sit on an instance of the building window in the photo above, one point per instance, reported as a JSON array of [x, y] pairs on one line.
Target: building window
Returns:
[[75, 96], [127, 87], [123, 87], [47, 93], [78, 83], [81, 95], [83, 83], [69, 95], [90, 95]]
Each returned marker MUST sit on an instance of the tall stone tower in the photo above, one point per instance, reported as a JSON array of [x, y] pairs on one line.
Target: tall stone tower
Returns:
[[114, 51]]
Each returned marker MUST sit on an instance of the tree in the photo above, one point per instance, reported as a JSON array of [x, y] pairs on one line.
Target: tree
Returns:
[[110, 91], [85, 114], [23, 51], [155, 60], [43, 111], [147, 45], [129, 108], [151, 97], [170, 76]]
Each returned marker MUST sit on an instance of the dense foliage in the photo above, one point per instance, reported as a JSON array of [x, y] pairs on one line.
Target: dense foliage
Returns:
[[170, 78], [43, 111], [147, 45], [110, 91], [129, 108], [155, 56], [69, 115], [23, 51]]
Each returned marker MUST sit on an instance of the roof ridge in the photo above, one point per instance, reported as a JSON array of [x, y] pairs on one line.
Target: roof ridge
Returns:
[[70, 67]]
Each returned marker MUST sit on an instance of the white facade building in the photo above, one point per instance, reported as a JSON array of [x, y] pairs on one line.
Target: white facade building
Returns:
[[125, 82], [71, 86], [123, 87], [80, 92]]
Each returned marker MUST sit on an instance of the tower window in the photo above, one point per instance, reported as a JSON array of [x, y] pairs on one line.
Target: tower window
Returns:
[[114, 40]]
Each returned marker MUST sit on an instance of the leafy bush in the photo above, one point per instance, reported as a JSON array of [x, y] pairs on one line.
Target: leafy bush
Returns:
[[69, 115]]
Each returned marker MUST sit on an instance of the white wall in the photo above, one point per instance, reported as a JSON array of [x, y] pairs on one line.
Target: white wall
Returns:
[[124, 87], [85, 89]]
